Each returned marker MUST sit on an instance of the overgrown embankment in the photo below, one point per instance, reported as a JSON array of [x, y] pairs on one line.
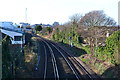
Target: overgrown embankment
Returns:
[[31, 57], [18, 61], [12, 58], [103, 58]]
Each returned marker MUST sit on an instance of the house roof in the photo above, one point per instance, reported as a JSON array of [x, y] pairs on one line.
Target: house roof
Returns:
[[10, 27]]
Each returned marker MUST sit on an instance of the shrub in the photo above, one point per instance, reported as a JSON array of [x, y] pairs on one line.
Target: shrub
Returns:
[[112, 46]]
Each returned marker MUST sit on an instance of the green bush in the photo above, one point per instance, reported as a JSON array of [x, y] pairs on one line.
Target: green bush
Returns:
[[112, 46], [6, 58], [63, 35], [38, 28], [110, 51]]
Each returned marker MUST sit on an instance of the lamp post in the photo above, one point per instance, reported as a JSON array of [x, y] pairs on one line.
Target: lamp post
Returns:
[[70, 41]]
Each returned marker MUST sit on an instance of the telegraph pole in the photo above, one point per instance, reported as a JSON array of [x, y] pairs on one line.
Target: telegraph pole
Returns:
[[26, 15]]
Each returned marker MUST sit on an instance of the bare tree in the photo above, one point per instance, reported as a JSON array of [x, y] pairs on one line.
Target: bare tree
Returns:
[[75, 18], [97, 18]]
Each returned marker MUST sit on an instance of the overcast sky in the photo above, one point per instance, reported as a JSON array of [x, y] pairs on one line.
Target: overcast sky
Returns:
[[48, 11]]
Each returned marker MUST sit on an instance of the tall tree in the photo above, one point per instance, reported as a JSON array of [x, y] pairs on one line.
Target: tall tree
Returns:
[[97, 18], [49, 29], [38, 28], [75, 18]]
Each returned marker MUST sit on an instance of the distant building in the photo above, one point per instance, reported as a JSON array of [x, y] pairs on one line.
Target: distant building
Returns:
[[34, 25], [43, 25], [7, 25], [24, 25], [46, 25], [16, 35], [55, 24]]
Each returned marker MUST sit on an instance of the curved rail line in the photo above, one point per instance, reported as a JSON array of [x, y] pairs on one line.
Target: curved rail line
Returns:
[[70, 61], [73, 70], [75, 73], [45, 63], [53, 61], [79, 67]]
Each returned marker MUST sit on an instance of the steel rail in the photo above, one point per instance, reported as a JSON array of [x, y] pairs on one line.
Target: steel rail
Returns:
[[85, 71], [73, 60], [53, 61], [76, 62], [76, 75], [74, 72], [45, 63]]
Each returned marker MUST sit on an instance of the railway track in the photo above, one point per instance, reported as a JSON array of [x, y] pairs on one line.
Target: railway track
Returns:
[[45, 62], [79, 67], [55, 67], [50, 71], [86, 74], [79, 72]]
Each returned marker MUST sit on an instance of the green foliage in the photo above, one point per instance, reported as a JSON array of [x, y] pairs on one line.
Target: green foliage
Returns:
[[100, 53], [110, 51], [6, 57], [63, 35], [112, 42], [28, 38], [38, 28], [49, 29], [10, 55], [112, 46], [84, 60], [99, 67], [56, 35]]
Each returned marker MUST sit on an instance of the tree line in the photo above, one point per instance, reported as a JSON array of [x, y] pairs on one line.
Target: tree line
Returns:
[[91, 29]]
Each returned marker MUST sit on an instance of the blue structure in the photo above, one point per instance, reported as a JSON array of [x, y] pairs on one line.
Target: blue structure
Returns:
[[16, 35]]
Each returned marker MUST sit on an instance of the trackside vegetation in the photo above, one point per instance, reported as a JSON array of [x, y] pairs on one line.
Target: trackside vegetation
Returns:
[[16, 61], [108, 52], [100, 42], [104, 57]]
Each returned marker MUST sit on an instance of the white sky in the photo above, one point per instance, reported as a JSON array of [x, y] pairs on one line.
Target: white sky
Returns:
[[48, 11]]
